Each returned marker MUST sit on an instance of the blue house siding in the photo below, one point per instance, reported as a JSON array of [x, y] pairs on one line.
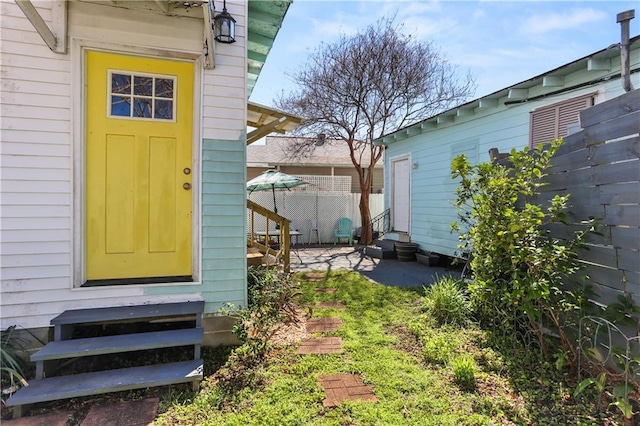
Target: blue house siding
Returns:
[[473, 133], [224, 265]]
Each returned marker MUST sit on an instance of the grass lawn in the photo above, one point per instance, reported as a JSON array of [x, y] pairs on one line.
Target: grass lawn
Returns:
[[414, 367]]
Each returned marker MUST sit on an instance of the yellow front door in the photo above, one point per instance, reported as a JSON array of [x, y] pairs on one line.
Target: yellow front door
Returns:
[[138, 167]]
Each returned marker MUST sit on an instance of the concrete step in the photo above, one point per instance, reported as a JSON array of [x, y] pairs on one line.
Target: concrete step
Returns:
[[379, 252], [63, 387], [398, 236], [386, 244]]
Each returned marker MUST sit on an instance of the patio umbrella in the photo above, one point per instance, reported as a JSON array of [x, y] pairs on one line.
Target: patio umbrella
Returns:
[[272, 180]]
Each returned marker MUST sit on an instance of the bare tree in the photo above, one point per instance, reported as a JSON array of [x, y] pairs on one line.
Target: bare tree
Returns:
[[367, 85]]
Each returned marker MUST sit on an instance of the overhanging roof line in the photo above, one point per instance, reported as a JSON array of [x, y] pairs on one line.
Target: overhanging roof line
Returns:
[[267, 120]]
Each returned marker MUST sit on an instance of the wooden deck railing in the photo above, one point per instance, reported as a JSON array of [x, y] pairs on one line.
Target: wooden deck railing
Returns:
[[274, 256]]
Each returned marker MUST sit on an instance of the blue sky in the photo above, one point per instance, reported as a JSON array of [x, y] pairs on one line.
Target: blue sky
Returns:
[[499, 42]]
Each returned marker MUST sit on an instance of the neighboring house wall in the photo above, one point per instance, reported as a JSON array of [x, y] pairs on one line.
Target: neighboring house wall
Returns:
[[473, 129], [42, 161], [329, 160]]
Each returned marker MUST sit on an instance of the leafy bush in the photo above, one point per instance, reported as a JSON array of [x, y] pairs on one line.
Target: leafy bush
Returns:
[[464, 371], [446, 302], [519, 271], [271, 304]]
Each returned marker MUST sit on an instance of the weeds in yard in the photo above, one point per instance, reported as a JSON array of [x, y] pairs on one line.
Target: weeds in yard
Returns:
[[464, 372], [446, 302], [12, 365], [13, 347], [384, 337]]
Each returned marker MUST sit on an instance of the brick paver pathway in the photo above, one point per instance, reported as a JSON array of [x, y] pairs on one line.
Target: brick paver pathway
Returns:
[[342, 387], [337, 387], [323, 325], [315, 277], [129, 413], [321, 345]]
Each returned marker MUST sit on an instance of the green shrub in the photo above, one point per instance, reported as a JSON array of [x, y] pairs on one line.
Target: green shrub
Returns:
[[519, 270], [464, 371], [446, 302], [439, 348], [271, 303]]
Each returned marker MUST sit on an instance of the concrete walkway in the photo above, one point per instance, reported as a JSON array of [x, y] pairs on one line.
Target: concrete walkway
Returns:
[[383, 271]]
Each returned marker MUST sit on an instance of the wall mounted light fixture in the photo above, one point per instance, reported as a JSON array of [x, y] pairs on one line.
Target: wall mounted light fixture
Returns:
[[224, 26]]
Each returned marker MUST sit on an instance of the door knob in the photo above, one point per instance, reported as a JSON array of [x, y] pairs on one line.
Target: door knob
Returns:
[[187, 171], [186, 185]]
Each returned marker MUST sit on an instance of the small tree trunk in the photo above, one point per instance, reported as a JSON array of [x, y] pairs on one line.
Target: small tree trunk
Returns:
[[366, 236]]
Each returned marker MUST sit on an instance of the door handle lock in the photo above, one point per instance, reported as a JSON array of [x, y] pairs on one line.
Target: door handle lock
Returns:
[[186, 171], [186, 186]]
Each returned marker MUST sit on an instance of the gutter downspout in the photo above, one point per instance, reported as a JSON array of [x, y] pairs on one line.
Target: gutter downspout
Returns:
[[623, 19]]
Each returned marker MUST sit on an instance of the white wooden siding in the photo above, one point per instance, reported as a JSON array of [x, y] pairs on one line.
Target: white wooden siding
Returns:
[[37, 161]]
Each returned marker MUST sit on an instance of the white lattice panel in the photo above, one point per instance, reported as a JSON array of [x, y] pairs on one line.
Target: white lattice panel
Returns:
[[324, 183], [325, 207]]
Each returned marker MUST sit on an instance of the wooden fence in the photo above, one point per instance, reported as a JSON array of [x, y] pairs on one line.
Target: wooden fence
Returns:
[[600, 167]]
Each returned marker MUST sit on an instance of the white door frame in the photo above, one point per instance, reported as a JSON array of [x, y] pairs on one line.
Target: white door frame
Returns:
[[392, 176], [78, 127]]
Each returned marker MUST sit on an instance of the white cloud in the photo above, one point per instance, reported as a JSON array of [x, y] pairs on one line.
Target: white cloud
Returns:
[[547, 22]]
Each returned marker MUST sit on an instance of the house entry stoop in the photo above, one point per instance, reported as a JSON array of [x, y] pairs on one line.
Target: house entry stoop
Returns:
[[385, 247], [48, 386]]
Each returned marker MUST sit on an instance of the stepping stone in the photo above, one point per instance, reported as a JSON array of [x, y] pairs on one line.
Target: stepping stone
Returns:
[[326, 290], [322, 325], [321, 345], [49, 419], [315, 277], [344, 387], [128, 413], [332, 304]]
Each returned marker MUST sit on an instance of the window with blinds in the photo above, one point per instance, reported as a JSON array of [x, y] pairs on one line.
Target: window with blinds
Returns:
[[552, 121]]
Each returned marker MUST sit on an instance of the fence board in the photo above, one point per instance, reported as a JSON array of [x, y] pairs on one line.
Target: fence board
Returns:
[[565, 232], [619, 172], [610, 277], [611, 109], [565, 180], [623, 126], [573, 142], [599, 255], [580, 213], [623, 215], [620, 193], [633, 281], [607, 295], [621, 150], [625, 238], [629, 260]]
